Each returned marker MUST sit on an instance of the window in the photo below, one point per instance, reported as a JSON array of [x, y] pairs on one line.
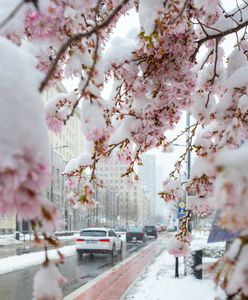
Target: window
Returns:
[[134, 229], [93, 233], [111, 233]]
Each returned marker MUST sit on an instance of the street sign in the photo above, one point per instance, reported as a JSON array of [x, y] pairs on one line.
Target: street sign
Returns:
[[181, 204], [181, 212]]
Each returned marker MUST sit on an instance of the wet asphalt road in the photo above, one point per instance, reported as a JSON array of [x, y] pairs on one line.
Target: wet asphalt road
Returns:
[[18, 285]]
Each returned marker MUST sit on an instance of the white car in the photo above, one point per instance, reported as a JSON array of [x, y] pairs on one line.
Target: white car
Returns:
[[98, 240]]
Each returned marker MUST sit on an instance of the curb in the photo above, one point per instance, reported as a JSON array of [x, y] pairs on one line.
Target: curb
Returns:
[[138, 278]]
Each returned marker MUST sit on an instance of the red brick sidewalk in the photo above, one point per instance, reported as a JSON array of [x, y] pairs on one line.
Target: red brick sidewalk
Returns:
[[114, 285]]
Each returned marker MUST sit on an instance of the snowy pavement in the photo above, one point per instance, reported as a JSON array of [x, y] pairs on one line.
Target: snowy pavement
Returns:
[[158, 281], [17, 262]]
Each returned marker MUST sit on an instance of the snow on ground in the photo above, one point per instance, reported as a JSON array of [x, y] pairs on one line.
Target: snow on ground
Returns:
[[9, 239], [14, 263], [211, 249], [158, 282]]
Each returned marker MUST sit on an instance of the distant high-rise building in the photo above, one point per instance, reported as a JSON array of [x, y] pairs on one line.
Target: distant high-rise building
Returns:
[[131, 205], [147, 175], [161, 210], [110, 172]]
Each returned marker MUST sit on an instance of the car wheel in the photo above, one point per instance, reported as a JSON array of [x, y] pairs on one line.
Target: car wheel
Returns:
[[80, 254], [121, 248], [113, 250]]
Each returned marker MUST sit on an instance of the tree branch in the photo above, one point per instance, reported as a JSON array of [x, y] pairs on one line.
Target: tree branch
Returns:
[[12, 14], [217, 36], [180, 13], [76, 38]]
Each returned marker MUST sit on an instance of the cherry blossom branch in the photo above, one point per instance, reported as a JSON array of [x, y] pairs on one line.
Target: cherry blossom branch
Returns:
[[12, 14], [203, 26], [205, 61], [180, 13], [217, 36], [78, 37], [93, 167], [181, 134], [89, 77], [215, 62], [183, 156], [208, 98], [16, 10], [183, 232], [122, 144]]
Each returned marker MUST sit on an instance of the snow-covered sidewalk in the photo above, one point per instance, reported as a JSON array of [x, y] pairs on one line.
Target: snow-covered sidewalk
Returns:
[[17, 262], [158, 282]]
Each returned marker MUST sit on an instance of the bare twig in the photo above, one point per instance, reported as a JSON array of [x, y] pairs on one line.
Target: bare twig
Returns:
[[208, 98], [12, 14], [181, 134], [205, 61], [228, 15], [215, 62], [189, 143]]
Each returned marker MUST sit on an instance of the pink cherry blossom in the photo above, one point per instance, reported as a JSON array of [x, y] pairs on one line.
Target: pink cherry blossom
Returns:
[[54, 123], [177, 248]]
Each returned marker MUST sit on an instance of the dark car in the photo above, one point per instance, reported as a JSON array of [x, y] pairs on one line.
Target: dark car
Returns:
[[151, 230], [135, 233]]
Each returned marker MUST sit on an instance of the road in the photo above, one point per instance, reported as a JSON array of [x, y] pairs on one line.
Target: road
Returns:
[[18, 284]]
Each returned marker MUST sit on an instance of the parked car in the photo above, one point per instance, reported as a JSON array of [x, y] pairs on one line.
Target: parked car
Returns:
[[163, 227], [98, 240], [151, 230], [135, 233], [120, 229]]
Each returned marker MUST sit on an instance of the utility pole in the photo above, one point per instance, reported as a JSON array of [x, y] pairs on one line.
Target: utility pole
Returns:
[[189, 141]]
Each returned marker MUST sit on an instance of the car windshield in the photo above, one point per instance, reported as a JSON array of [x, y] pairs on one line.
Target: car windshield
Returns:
[[134, 229], [93, 233], [149, 227]]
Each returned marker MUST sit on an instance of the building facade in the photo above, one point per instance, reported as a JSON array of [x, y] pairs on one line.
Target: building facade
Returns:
[[130, 205], [147, 176], [70, 141], [7, 224], [68, 144]]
